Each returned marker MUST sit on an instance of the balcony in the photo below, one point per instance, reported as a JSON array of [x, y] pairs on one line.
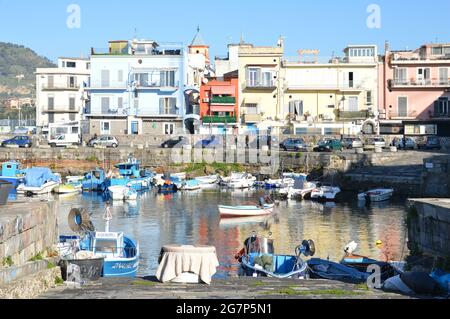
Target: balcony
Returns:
[[269, 85], [355, 115], [60, 87], [61, 109], [252, 118], [413, 83], [394, 115], [223, 100], [218, 119]]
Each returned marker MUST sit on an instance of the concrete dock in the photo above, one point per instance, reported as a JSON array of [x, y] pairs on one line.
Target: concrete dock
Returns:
[[231, 288]]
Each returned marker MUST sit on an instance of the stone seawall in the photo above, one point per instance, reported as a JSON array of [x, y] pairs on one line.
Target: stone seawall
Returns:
[[27, 230]]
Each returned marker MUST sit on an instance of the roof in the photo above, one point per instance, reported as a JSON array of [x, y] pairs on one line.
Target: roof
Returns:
[[198, 40]]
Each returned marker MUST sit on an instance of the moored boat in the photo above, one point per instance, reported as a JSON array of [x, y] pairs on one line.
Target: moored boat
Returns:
[[245, 211], [38, 181], [376, 195], [325, 193], [12, 173], [301, 189], [122, 193]]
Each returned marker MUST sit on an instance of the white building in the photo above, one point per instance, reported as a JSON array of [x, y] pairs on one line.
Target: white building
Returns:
[[60, 95], [336, 97], [137, 87]]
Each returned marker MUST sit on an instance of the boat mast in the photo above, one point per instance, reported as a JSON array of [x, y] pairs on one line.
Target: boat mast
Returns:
[[107, 217]]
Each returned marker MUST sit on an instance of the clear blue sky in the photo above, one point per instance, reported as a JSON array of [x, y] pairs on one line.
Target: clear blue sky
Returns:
[[328, 25]]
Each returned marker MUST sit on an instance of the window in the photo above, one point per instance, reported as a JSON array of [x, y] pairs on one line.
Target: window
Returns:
[[423, 75], [301, 131], [105, 78], [71, 82], [88, 66], [369, 97], [352, 104], [74, 130], [51, 118], [72, 117], [51, 103], [251, 108], [167, 78], [50, 81], [136, 103], [71, 65], [167, 106], [169, 128], [120, 102], [72, 103], [402, 106], [296, 107], [267, 79], [350, 79], [105, 105], [141, 79], [63, 64], [401, 75], [120, 76], [437, 51], [443, 76], [253, 77], [105, 128]]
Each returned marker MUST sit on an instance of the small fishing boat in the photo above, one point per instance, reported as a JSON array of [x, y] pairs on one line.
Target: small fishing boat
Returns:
[[258, 259], [376, 195], [38, 181], [325, 269], [190, 185], [120, 253], [207, 180], [122, 193], [247, 211], [301, 189], [68, 188], [242, 182], [95, 181], [325, 193], [12, 173]]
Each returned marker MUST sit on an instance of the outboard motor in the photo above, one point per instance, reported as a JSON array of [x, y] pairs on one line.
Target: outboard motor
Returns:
[[307, 248]]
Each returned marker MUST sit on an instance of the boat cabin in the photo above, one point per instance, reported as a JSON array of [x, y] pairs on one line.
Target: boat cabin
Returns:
[[11, 169], [129, 169], [108, 244]]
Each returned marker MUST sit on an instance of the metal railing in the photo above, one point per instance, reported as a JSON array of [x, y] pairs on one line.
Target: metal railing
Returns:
[[418, 83], [260, 85], [60, 86], [218, 119]]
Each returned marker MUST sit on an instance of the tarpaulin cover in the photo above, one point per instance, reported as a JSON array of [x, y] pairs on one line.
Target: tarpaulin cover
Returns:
[[38, 176]]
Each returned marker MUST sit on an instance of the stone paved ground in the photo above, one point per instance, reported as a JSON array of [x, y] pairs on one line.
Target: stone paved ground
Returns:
[[232, 288]]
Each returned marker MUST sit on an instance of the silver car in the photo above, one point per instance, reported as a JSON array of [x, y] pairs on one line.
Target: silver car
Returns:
[[106, 141]]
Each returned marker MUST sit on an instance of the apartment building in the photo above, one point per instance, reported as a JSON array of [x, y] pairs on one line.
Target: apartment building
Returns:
[[60, 91]]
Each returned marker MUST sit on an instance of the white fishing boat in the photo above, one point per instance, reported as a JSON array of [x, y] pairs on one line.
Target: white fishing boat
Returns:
[[327, 193], [242, 182], [376, 195], [245, 211], [122, 193], [68, 188], [207, 180], [38, 181], [301, 188], [190, 185]]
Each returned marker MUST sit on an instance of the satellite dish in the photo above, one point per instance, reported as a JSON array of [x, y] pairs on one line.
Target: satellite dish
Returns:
[[80, 221]]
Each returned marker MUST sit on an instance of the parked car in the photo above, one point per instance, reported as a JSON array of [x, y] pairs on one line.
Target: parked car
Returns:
[[404, 143], [431, 143], [107, 141], [376, 141], [65, 140], [211, 142], [21, 141], [180, 141], [352, 142], [329, 146], [294, 144]]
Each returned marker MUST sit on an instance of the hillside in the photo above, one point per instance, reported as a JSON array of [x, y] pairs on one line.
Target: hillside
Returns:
[[18, 60]]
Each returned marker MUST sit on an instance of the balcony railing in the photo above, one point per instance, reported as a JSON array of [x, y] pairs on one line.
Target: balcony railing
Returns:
[[218, 119], [354, 114], [57, 87], [393, 115], [441, 115], [412, 83], [61, 109], [223, 100], [252, 118], [260, 85]]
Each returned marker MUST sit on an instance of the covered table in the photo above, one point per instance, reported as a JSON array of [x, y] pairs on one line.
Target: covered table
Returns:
[[177, 262]]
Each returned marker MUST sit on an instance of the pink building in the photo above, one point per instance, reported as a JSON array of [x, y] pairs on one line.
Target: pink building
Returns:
[[415, 87]]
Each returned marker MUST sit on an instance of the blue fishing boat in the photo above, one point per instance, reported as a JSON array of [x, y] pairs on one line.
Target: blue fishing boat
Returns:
[[258, 259], [12, 173], [95, 181], [133, 176], [120, 253], [325, 269]]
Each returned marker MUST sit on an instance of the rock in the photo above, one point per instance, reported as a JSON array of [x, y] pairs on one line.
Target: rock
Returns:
[[209, 170]]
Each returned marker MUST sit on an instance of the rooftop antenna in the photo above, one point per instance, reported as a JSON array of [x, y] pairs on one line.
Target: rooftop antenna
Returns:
[[135, 33], [242, 39]]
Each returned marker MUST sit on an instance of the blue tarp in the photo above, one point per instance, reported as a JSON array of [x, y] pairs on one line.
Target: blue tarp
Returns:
[[38, 176]]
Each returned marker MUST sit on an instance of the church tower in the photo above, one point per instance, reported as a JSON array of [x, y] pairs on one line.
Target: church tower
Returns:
[[198, 46]]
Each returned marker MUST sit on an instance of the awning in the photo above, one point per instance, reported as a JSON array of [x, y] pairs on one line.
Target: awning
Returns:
[[222, 108], [223, 90], [252, 100]]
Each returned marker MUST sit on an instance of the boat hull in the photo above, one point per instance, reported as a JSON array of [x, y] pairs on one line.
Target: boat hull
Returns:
[[285, 267], [120, 267], [380, 195], [47, 188], [244, 211]]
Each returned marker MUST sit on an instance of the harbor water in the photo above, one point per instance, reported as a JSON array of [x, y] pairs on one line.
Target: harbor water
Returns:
[[192, 218]]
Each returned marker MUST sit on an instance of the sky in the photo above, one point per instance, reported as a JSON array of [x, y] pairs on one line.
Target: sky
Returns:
[[327, 25]]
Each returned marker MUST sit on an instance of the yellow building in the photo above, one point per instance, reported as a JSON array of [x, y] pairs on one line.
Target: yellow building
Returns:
[[332, 98], [259, 83]]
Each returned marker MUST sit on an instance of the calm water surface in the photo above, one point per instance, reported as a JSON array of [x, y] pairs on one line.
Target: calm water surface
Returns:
[[193, 218]]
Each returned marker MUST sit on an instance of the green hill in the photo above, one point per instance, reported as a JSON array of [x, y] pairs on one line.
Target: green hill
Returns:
[[18, 60]]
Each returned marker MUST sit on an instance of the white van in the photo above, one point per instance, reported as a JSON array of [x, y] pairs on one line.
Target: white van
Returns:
[[65, 140]]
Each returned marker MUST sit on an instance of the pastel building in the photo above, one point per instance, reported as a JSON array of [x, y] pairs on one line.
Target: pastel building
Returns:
[[415, 90], [60, 91], [137, 87], [336, 97], [219, 104]]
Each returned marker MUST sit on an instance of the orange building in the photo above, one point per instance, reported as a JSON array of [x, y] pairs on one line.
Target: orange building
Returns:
[[219, 100]]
